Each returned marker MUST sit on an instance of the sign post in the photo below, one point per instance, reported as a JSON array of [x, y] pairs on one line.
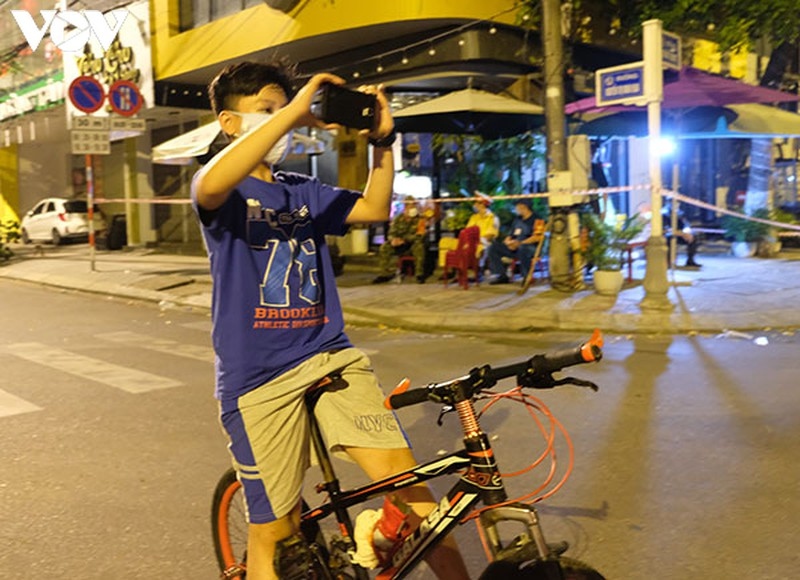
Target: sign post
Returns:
[[642, 84], [89, 136], [655, 278], [620, 85], [90, 208]]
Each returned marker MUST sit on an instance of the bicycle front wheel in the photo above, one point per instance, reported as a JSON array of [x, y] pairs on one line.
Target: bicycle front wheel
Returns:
[[571, 569], [229, 522]]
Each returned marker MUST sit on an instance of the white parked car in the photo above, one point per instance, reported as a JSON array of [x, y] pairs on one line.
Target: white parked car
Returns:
[[56, 219]]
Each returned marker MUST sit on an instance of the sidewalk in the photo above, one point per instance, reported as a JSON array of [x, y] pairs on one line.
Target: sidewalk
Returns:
[[727, 294]]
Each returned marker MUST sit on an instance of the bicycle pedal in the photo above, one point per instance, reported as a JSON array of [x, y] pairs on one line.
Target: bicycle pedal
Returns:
[[295, 559]]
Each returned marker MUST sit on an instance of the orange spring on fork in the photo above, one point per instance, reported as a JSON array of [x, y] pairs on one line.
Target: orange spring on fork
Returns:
[[466, 414]]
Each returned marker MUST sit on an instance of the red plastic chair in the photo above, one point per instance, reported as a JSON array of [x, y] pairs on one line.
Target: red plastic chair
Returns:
[[464, 257]]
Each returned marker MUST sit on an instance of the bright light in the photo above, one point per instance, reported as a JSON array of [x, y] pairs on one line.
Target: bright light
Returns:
[[666, 146], [420, 186]]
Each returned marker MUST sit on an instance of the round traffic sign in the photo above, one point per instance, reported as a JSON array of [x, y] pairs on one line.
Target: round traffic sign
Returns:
[[125, 98], [86, 94]]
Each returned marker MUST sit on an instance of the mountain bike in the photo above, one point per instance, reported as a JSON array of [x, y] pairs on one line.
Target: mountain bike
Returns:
[[527, 555]]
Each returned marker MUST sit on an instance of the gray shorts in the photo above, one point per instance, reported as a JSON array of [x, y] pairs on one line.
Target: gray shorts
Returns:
[[269, 436]]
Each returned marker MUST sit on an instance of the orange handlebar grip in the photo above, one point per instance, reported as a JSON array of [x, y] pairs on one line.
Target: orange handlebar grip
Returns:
[[401, 387], [591, 348]]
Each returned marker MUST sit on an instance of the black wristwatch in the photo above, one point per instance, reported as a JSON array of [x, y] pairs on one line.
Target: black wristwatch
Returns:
[[387, 141]]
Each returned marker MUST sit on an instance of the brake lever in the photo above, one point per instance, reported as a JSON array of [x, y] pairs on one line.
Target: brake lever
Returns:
[[442, 412], [548, 382], [577, 383], [536, 381]]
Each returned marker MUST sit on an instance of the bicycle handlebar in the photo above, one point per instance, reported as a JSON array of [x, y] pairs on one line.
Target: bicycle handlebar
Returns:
[[534, 373], [407, 398]]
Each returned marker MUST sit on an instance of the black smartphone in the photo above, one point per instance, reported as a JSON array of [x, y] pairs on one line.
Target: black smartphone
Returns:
[[345, 107]]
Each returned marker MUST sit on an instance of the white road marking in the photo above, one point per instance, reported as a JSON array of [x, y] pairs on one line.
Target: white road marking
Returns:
[[196, 352], [13, 405], [117, 376]]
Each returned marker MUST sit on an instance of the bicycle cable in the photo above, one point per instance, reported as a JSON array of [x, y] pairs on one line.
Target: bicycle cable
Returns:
[[548, 431], [532, 405]]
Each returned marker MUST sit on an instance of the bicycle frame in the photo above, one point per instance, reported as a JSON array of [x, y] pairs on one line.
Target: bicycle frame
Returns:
[[480, 481]]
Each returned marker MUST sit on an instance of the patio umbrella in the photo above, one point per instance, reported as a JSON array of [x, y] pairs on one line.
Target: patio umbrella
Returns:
[[471, 111], [205, 141], [696, 88], [754, 120], [674, 122]]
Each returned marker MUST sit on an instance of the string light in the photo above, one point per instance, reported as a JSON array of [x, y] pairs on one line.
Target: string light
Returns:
[[431, 49]]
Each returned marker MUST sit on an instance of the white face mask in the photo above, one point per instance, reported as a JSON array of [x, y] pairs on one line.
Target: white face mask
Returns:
[[252, 120]]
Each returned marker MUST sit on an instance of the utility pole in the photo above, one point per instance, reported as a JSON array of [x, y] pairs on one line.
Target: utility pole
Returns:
[[564, 223], [554, 86]]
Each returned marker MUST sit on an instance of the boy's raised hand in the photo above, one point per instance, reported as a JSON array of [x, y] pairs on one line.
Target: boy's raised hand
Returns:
[[304, 98], [384, 123]]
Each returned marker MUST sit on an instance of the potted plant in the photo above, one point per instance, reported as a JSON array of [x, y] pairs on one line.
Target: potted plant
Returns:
[[456, 218], [745, 234], [606, 249], [771, 245], [9, 232]]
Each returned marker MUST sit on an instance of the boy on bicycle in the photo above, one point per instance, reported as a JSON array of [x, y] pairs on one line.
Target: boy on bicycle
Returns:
[[277, 320]]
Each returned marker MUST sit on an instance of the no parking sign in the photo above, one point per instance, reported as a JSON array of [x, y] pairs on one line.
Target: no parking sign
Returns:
[[86, 94], [125, 98]]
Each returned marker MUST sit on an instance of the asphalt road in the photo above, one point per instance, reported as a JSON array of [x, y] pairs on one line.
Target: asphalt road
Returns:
[[685, 460]]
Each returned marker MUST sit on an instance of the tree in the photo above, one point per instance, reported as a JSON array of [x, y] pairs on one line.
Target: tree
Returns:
[[470, 163], [731, 23]]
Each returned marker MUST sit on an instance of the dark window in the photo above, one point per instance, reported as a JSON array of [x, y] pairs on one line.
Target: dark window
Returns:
[[195, 13], [50, 207], [75, 206]]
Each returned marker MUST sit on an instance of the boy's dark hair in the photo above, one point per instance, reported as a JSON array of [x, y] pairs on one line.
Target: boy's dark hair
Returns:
[[245, 79]]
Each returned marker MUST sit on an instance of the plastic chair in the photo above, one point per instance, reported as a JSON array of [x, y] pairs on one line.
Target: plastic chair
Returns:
[[464, 257], [405, 264]]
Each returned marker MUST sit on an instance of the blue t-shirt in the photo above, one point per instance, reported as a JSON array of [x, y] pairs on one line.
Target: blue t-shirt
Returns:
[[521, 228], [274, 301]]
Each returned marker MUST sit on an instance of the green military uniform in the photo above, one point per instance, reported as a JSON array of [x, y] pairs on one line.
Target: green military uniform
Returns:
[[405, 227]]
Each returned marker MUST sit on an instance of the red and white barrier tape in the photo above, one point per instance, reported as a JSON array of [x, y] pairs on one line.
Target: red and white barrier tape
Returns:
[[153, 200], [691, 201], [794, 229]]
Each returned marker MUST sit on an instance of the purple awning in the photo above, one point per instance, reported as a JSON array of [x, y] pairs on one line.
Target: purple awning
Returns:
[[696, 88]]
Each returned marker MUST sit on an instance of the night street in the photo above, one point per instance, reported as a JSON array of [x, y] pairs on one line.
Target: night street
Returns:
[[685, 459]]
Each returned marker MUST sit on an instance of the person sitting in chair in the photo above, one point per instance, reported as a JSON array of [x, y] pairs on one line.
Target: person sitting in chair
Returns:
[[519, 244], [683, 234], [487, 222], [406, 237]]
